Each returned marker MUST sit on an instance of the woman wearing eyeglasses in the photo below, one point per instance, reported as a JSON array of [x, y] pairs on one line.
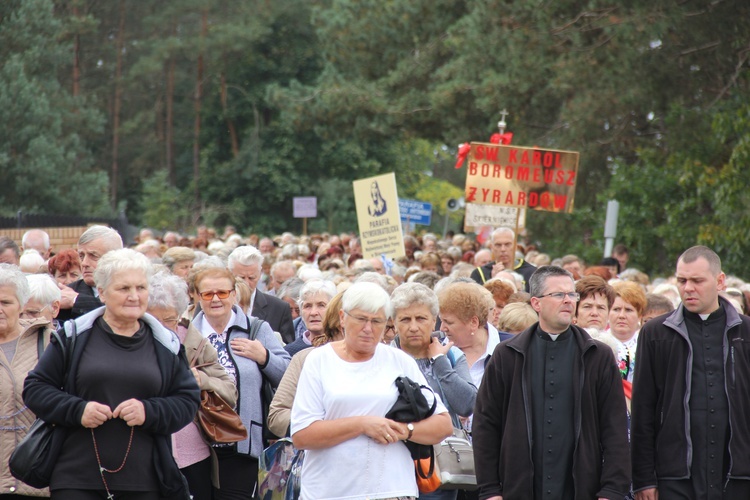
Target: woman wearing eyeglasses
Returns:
[[344, 392], [167, 300], [247, 362]]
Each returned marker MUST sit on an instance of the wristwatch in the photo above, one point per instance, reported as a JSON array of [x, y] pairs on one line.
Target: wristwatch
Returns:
[[410, 427]]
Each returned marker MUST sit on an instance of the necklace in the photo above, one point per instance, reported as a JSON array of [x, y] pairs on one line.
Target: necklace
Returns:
[[102, 469]]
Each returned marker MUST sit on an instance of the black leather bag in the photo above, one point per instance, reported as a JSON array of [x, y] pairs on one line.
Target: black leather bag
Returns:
[[35, 457], [412, 406]]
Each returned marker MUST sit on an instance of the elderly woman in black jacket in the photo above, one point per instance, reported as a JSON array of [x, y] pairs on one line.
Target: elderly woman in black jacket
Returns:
[[127, 390]]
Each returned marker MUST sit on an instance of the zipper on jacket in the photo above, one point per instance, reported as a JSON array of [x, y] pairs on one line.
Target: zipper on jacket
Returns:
[[527, 411], [729, 405]]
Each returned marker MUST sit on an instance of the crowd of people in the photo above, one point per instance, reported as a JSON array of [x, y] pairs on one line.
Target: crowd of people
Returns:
[[573, 379]]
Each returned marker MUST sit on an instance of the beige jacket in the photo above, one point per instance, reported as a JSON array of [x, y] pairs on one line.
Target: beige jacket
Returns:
[[280, 411], [15, 418], [213, 377]]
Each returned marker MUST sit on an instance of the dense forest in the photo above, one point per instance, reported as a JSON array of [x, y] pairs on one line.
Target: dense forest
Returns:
[[188, 111]]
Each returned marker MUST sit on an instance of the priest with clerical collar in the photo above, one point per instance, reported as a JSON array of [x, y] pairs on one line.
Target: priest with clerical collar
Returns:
[[550, 420], [691, 434]]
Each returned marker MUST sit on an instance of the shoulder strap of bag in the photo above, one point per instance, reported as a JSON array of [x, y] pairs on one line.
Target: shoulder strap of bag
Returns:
[[67, 347], [198, 352], [454, 419], [253, 327], [481, 274], [40, 342]]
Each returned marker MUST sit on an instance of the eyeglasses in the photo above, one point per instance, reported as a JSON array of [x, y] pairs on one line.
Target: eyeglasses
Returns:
[[377, 323], [222, 294], [574, 296], [33, 313]]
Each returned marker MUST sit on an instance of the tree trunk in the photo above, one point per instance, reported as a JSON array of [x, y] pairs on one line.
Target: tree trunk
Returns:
[[76, 56], [230, 123], [169, 126], [197, 125], [116, 106]]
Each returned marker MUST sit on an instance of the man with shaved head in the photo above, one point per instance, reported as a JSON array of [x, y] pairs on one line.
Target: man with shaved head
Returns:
[[690, 431], [36, 239]]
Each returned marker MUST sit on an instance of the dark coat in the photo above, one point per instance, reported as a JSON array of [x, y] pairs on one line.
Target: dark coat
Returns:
[[662, 447], [484, 273], [276, 313], [85, 302], [174, 409], [502, 423]]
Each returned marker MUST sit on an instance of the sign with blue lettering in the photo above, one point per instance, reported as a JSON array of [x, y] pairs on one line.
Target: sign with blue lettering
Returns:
[[415, 212]]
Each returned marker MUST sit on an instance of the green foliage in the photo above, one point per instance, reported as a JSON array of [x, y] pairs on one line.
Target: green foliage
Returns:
[[44, 160], [335, 206], [317, 94], [695, 193], [164, 206]]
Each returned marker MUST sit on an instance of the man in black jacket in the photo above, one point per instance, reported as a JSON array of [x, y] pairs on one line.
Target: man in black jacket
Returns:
[[245, 263], [81, 296], [690, 427], [550, 420], [503, 252]]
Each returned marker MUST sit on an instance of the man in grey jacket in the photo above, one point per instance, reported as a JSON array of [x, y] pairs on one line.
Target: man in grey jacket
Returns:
[[690, 431]]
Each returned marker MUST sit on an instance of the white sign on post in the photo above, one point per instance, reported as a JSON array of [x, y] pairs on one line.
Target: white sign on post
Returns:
[[305, 207], [489, 215]]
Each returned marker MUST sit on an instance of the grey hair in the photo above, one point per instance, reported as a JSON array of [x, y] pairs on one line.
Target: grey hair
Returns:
[[169, 292], [314, 287], [364, 266], [309, 272], [177, 254], [289, 251], [455, 252], [278, 265], [8, 243], [10, 275], [538, 280], [414, 294], [245, 255], [376, 278], [290, 288], [427, 278], [502, 230], [367, 297], [30, 232], [101, 232], [31, 260], [43, 288], [115, 261]]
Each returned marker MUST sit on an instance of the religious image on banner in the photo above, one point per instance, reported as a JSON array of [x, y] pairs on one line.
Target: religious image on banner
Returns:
[[378, 205]]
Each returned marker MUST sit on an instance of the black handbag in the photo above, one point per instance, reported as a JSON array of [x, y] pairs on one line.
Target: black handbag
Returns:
[[412, 406], [35, 456]]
